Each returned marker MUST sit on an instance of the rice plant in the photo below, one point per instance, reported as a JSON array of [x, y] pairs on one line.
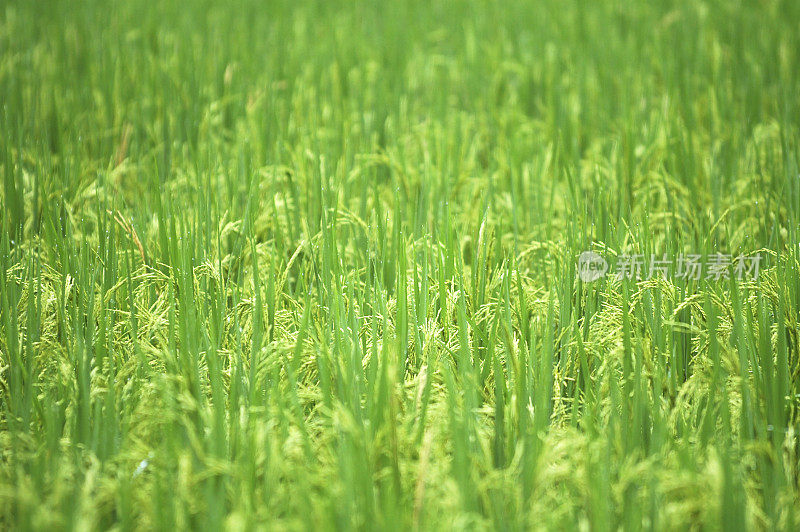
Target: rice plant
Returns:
[[427, 265]]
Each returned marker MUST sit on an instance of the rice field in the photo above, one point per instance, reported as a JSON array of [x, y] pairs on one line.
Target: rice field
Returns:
[[411, 265]]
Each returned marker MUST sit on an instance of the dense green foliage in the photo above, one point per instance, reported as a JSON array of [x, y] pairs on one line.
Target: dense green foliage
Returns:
[[312, 264]]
